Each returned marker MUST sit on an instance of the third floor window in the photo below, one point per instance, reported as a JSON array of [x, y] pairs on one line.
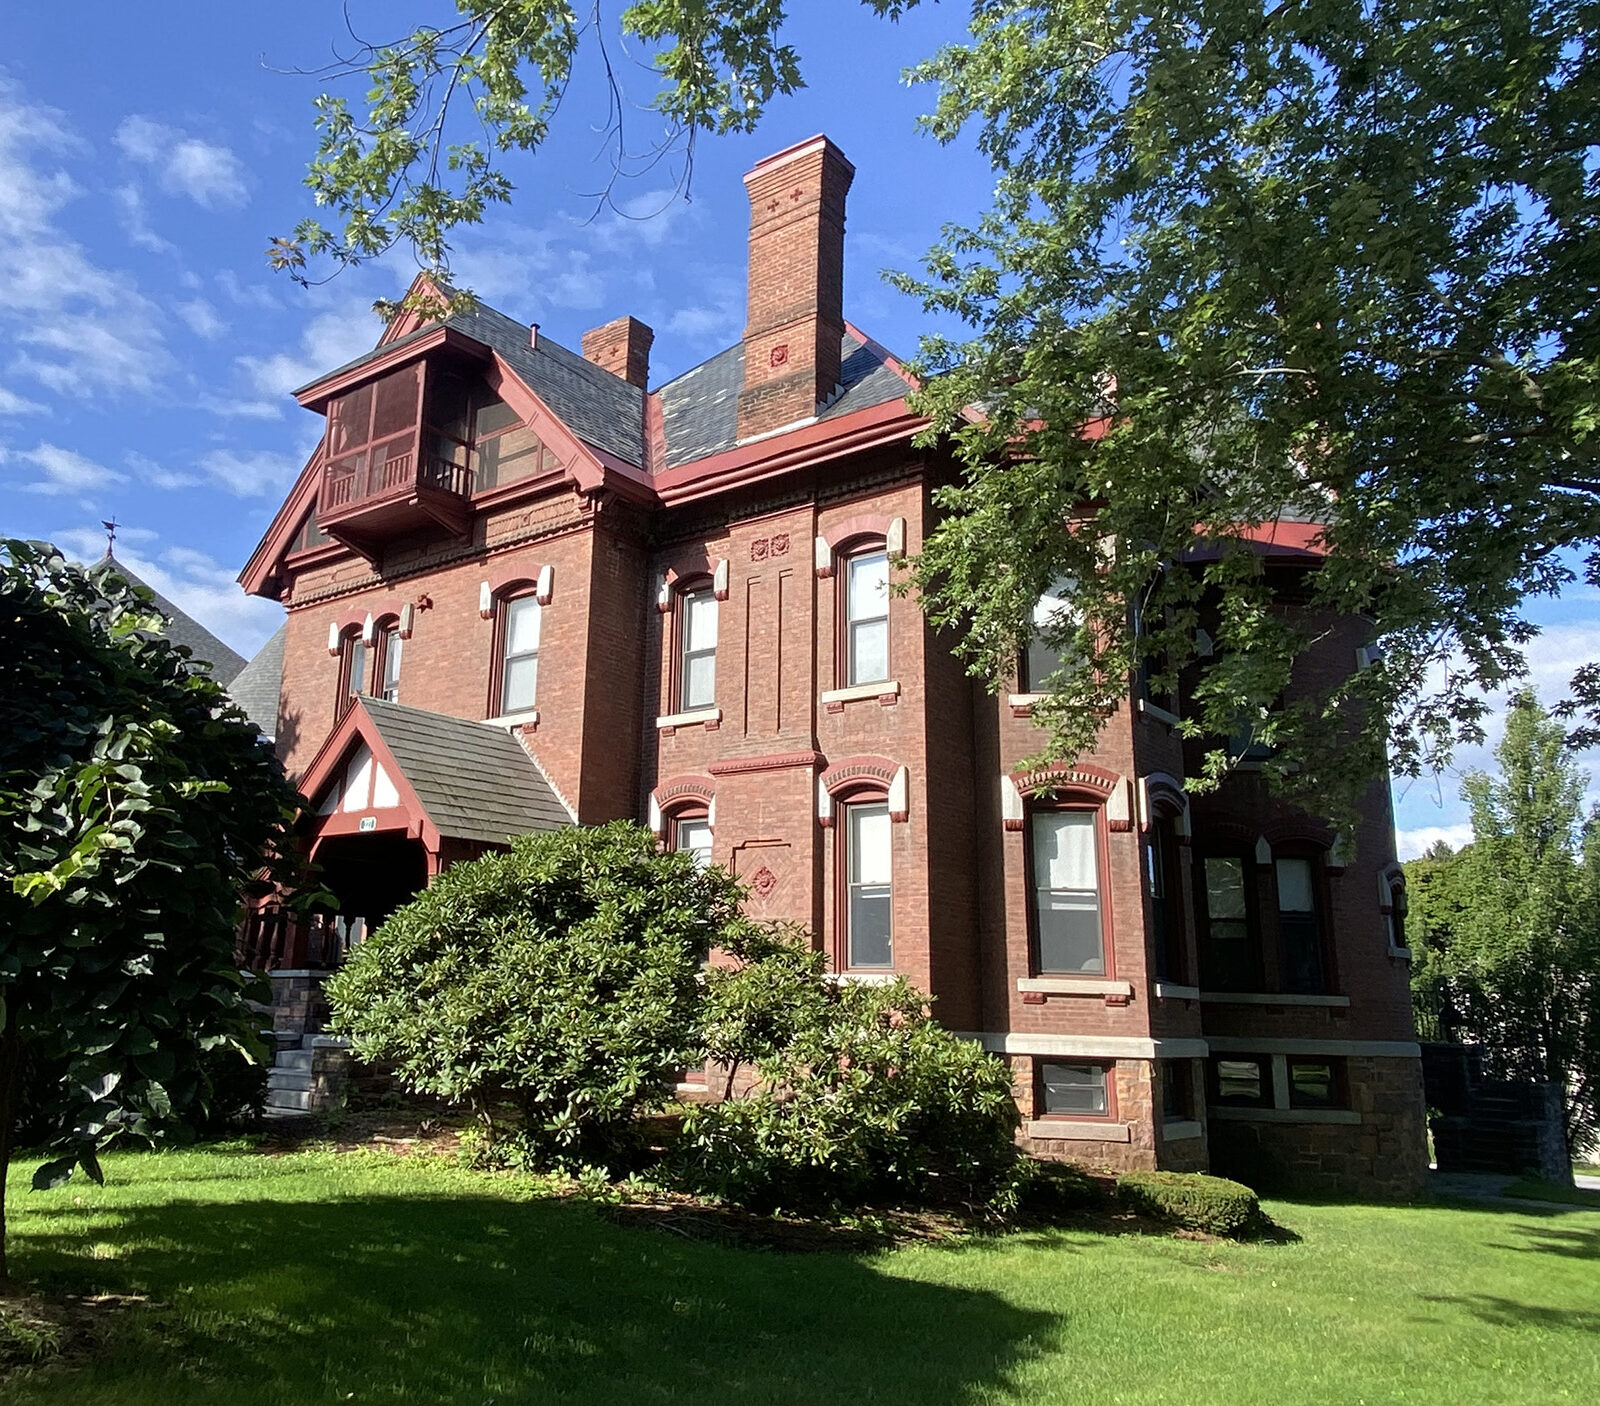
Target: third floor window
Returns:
[[519, 655], [697, 649], [867, 618]]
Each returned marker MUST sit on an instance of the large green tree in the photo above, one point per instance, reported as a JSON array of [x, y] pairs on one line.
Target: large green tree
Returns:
[[136, 805], [1507, 931], [1326, 260]]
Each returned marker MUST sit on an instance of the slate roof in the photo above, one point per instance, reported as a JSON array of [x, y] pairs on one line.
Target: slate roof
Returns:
[[257, 686], [700, 408], [474, 779], [185, 629], [600, 408]]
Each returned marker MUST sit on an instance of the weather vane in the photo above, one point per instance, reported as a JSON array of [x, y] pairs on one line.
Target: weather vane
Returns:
[[111, 525]]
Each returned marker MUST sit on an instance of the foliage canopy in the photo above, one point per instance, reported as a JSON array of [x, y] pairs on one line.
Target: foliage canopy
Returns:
[[561, 977], [1506, 933], [1330, 261], [136, 804]]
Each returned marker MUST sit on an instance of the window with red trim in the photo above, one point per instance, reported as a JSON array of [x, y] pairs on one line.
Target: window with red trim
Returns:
[[1064, 875], [386, 666], [1051, 644], [517, 674], [353, 653], [690, 833], [696, 663], [866, 885], [864, 623]]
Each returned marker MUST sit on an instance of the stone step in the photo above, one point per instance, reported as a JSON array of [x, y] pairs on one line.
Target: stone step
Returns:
[[293, 1059], [288, 1100], [288, 1079]]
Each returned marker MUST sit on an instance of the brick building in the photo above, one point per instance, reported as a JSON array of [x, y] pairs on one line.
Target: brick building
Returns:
[[673, 602]]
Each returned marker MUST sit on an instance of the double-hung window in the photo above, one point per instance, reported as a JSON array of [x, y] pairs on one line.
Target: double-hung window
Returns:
[[352, 668], [387, 670], [869, 908], [519, 657], [1299, 925], [697, 656], [1055, 621], [867, 618], [691, 834], [1068, 936], [1228, 954]]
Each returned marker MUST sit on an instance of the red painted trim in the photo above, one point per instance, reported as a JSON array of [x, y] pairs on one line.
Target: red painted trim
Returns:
[[259, 578], [670, 795], [356, 725], [773, 761], [317, 394], [848, 535], [1083, 778], [858, 773], [811, 444]]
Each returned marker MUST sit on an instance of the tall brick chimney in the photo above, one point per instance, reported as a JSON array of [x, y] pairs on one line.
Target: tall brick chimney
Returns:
[[794, 319], [622, 348]]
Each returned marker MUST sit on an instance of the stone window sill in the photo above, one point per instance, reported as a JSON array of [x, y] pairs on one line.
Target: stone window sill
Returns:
[[689, 719], [528, 717], [1400, 953], [862, 978], [1024, 700], [1270, 998], [1157, 712], [1182, 1129], [1066, 1130], [883, 688], [1075, 986], [1283, 1115], [1170, 991]]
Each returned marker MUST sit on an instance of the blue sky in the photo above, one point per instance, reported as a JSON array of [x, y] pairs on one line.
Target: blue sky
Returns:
[[147, 351]]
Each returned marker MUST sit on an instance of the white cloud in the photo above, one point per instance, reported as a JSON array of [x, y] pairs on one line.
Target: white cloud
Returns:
[[329, 340], [1413, 844], [208, 174], [158, 476], [191, 579], [136, 221], [246, 295], [201, 318], [252, 474], [73, 325], [64, 471], [13, 404], [234, 408]]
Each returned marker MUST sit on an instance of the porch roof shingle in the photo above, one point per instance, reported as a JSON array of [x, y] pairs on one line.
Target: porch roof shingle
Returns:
[[474, 779]]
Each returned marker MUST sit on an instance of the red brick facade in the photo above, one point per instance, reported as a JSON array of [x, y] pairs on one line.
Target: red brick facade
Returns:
[[769, 524]]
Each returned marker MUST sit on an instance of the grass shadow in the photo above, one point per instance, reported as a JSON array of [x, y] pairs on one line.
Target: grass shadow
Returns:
[[466, 1298], [1508, 1313]]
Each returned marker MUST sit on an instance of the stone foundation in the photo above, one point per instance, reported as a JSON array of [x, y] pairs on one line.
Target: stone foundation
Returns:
[[1377, 1148]]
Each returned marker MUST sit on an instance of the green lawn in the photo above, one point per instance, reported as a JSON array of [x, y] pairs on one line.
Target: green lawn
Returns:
[[318, 1277]]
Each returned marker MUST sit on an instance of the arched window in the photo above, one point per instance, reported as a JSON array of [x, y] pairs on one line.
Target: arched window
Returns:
[[1065, 865], [695, 672], [864, 616], [1230, 956], [388, 646], [868, 874], [517, 650], [353, 661]]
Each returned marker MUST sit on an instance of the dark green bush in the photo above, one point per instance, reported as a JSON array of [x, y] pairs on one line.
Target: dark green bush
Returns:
[[1192, 1201], [561, 978], [860, 1098]]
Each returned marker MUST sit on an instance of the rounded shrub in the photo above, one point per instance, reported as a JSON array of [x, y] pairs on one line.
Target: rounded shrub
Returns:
[[561, 978], [1191, 1201], [858, 1097]]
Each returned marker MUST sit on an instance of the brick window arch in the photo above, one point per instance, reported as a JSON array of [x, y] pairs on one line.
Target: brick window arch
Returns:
[[683, 814]]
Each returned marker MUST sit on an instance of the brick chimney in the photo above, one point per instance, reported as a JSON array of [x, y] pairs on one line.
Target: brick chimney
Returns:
[[795, 314], [622, 348]]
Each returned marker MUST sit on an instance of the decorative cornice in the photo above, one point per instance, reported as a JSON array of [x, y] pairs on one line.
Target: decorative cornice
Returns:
[[773, 761]]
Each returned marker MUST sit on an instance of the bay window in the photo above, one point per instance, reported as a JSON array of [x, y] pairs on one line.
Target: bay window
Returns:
[[1228, 951], [1300, 924]]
